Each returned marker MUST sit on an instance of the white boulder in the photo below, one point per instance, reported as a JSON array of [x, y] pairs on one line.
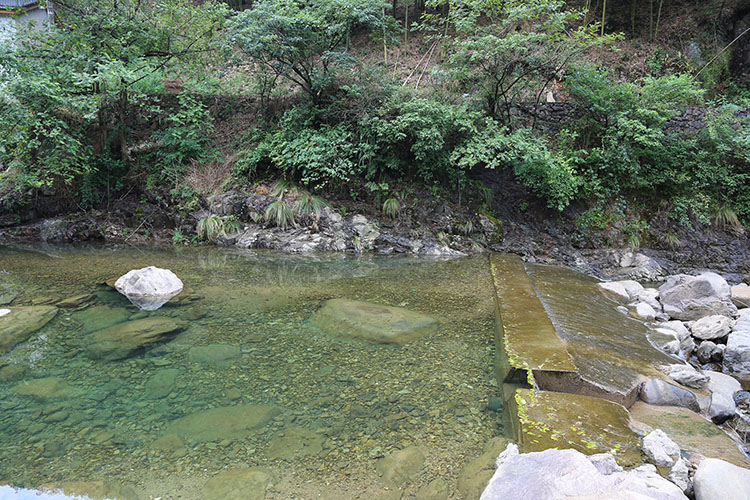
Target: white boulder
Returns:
[[660, 449], [645, 312], [737, 353], [553, 474], [719, 480], [149, 288], [711, 327]]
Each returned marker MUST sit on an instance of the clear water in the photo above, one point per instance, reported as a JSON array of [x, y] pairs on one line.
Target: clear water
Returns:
[[348, 402]]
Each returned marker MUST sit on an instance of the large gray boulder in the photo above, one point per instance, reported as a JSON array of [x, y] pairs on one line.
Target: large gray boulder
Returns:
[[722, 389], [149, 288], [657, 392], [553, 474], [719, 480], [737, 354], [692, 297]]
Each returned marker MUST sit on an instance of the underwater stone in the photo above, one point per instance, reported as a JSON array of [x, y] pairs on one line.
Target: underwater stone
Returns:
[[119, 341], [218, 355], [46, 388], [149, 288], [225, 422], [296, 442], [18, 325], [400, 466], [161, 383], [241, 484], [372, 322]]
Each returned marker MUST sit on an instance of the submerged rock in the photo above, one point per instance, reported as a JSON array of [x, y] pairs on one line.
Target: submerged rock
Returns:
[[241, 484], [718, 480], [46, 388], [161, 383], [372, 322], [218, 355], [224, 422], [149, 288], [18, 323], [554, 474], [475, 475], [119, 341], [401, 466], [296, 442], [693, 297]]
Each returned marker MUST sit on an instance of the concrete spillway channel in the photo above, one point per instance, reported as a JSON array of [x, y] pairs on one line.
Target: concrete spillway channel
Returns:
[[571, 367]]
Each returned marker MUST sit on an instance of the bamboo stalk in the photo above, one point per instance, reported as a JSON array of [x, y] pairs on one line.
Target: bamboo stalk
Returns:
[[658, 18]]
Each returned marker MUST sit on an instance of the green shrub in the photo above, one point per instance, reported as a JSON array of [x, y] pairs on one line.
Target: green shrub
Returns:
[[280, 214], [186, 138], [211, 227]]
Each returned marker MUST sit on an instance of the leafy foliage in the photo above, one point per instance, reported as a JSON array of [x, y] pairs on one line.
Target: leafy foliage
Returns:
[[303, 42]]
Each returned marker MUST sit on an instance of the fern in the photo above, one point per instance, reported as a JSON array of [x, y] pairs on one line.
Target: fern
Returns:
[[280, 214], [307, 204], [391, 208]]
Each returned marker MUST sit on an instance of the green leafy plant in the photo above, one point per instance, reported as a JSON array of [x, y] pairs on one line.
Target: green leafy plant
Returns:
[[391, 208], [307, 204], [178, 237], [211, 227], [280, 214]]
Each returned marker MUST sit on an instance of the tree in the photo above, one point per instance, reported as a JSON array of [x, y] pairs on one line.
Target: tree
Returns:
[[304, 43], [509, 51], [67, 93]]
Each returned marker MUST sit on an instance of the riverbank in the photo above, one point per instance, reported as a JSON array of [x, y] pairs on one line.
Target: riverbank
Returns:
[[425, 224]]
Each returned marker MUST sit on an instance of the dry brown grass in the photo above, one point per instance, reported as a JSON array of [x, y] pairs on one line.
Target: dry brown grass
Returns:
[[210, 177]]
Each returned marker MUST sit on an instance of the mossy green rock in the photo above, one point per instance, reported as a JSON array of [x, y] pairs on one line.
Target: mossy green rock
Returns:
[[375, 323], [118, 341], [225, 422], [46, 388], [18, 325]]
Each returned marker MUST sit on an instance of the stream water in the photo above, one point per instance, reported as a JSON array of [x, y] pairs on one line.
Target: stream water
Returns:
[[339, 406]]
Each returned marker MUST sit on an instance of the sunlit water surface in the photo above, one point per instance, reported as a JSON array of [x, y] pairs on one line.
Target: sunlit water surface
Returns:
[[343, 404]]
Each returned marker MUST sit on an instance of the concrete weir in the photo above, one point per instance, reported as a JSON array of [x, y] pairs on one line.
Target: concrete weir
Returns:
[[571, 366], [585, 356], [548, 403]]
